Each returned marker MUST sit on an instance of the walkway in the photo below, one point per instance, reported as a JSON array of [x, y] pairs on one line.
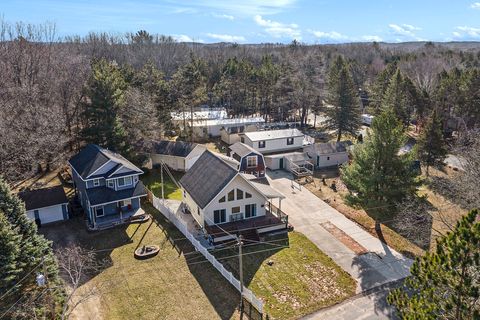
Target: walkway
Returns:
[[367, 259]]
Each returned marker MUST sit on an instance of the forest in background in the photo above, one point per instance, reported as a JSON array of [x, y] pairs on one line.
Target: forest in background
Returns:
[[50, 87]]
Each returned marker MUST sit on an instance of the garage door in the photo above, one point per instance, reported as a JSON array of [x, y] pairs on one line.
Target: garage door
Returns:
[[50, 214]]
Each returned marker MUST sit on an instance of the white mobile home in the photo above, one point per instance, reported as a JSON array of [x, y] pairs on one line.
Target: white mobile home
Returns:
[[274, 140], [328, 154]]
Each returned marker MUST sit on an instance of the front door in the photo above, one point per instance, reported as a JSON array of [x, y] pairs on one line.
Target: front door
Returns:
[[281, 163]]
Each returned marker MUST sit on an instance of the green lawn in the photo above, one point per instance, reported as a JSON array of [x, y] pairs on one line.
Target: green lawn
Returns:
[[152, 180], [301, 280], [180, 284], [164, 287]]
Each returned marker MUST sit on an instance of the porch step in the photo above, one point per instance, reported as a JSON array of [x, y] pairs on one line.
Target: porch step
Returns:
[[251, 234]]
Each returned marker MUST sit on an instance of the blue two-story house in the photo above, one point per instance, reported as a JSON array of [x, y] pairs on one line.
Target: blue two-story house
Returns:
[[107, 185]]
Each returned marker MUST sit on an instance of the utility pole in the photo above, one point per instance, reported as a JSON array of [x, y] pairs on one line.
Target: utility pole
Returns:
[[49, 296], [161, 180], [240, 259]]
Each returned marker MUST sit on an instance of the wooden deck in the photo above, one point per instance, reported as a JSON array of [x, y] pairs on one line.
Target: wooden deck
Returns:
[[243, 226]]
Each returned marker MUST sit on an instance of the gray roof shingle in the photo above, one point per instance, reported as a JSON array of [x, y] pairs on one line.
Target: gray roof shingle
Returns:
[[206, 178], [173, 148], [41, 198], [92, 157], [101, 195], [242, 149], [330, 147]]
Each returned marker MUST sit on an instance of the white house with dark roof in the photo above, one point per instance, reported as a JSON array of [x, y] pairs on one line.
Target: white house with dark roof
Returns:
[[178, 155], [328, 154], [107, 185], [225, 202], [272, 141], [46, 205]]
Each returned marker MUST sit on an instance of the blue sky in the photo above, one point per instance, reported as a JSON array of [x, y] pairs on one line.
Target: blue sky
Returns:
[[250, 21]]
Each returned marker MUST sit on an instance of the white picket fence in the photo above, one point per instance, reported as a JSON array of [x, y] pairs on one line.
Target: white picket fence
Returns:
[[247, 293]]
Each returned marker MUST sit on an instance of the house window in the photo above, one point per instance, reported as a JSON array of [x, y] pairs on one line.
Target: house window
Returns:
[[126, 181], [231, 195], [328, 158], [124, 203], [252, 161], [219, 216], [239, 194], [99, 212], [289, 141], [261, 144], [242, 140], [111, 184], [198, 210], [250, 210], [247, 195], [96, 182], [222, 199]]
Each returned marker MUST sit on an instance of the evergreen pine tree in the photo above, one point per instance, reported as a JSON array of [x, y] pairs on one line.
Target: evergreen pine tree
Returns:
[[445, 283], [10, 246], [34, 248], [105, 92], [380, 86], [431, 148], [378, 175], [396, 97], [343, 105]]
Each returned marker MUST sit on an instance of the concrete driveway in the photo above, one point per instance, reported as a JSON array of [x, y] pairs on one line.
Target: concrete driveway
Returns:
[[367, 259]]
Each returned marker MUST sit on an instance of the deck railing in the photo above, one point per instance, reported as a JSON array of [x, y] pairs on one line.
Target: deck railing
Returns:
[[180, 224]]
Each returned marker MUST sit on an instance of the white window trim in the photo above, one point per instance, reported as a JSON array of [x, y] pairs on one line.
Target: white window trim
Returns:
[[103, 209], [125, 180], [110, 182], [256, 161], [96, 182]]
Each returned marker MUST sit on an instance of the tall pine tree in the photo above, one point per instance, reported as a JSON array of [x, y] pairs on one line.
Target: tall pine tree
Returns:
[[10, 244], [431, 148], [33, 253], [396, 97], [378, 175], [343, 104], [445, 283], [105, 94]]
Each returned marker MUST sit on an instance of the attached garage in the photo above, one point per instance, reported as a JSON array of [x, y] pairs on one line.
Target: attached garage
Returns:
[[46, 205]]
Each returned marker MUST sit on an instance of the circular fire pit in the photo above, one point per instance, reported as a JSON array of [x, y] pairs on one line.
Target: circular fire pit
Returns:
[[140, 219], [146, 252]]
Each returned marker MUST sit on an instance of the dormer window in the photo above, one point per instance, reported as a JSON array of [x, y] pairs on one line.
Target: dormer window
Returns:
[[96, 182]]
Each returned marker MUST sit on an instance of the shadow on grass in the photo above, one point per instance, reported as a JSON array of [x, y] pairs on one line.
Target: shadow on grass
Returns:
[[152, 180], [74, 232], [221, 294]]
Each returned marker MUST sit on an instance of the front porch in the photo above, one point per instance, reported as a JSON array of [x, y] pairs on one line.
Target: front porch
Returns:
[[109, 221]]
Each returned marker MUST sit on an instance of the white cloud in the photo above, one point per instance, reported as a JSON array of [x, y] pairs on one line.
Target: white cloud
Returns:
[[185, 38], [241, 8], [223, 16], [475, 5], [466, 32], [332, 35], [405, 30], [226, 37], [371, 38], [279, 29]]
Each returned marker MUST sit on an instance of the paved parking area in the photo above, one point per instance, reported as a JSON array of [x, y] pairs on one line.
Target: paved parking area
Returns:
[[379, 265]]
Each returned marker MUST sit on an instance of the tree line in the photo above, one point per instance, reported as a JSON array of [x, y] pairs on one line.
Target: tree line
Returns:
[[118, 90]]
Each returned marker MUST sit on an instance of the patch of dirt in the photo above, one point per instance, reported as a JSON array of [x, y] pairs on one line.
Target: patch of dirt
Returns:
[[344, 238], [322, 284]]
